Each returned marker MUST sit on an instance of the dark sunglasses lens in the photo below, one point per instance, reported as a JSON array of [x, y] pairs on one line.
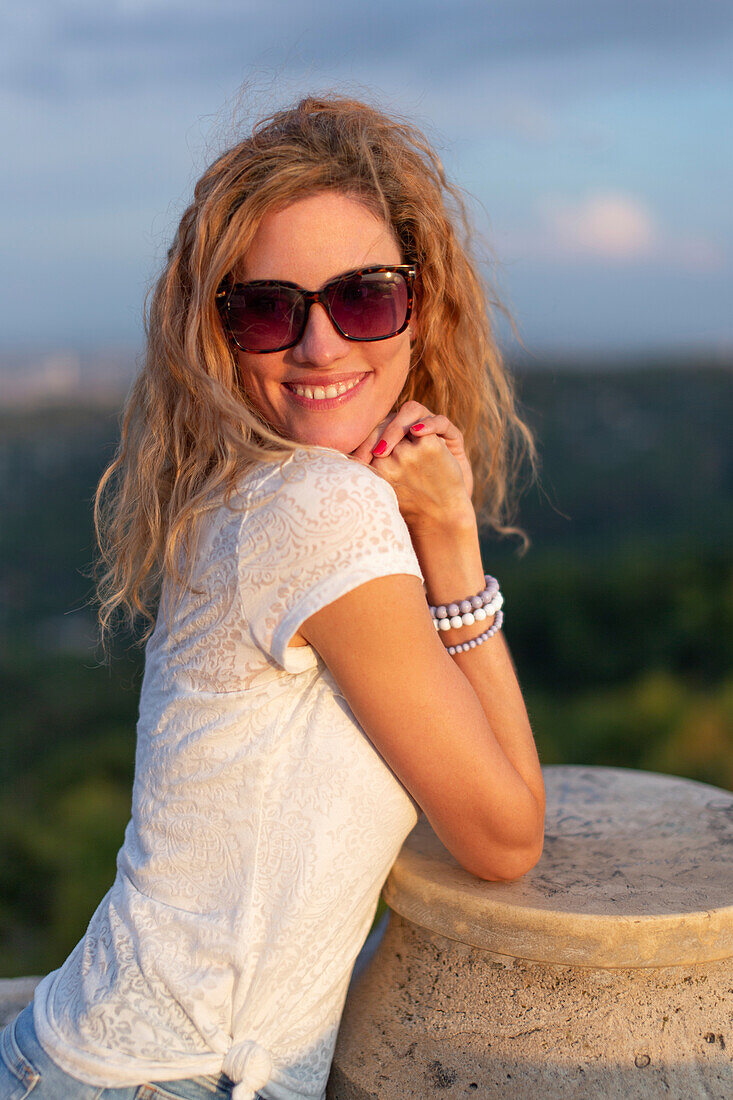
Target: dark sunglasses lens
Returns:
[[370, 306], [262, 318]]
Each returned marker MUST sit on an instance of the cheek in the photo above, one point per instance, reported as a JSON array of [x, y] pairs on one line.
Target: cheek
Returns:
[[256, 379], [397, 370]]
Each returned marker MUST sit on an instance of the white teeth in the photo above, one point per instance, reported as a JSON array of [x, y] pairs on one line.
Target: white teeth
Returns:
[[323, 393]]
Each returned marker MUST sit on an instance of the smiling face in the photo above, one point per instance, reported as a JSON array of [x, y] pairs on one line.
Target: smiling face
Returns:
[[309, 243]]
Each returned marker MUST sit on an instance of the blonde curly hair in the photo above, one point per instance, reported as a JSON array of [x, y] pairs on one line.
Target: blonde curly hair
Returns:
[[188, 428]]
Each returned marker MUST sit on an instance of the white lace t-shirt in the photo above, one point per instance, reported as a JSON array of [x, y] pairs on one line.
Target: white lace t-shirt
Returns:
[[264, 822]]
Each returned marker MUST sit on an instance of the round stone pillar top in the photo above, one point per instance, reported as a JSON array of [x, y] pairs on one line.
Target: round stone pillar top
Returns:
[[637, 871]]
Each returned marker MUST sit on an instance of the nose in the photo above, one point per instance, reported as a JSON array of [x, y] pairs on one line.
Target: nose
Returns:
[[320, 344]]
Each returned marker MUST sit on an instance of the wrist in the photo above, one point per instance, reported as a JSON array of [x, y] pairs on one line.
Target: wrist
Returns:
[[457, 524], [450, 560]]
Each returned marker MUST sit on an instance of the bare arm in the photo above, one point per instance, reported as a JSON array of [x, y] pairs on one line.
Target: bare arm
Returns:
[[453, 729], [451, 564]]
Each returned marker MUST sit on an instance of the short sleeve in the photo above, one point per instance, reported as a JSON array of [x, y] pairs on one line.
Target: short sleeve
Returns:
[[322, 526]]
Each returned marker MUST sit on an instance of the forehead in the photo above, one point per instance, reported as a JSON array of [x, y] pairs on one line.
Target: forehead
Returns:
[[316, 238]]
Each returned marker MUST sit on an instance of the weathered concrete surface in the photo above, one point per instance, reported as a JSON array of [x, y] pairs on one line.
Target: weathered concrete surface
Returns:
[[433, 1017], [637, 871], [605, 972]]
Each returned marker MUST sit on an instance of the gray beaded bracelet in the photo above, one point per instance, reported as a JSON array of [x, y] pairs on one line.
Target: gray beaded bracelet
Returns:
[[464, 646], [469, 611]]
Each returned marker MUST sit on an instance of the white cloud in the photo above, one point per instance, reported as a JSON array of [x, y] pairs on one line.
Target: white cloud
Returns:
[[607, 224], [609, 227]]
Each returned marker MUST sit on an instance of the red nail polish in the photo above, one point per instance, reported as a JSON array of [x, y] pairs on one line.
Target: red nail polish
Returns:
[[417, 427], [380, 448]]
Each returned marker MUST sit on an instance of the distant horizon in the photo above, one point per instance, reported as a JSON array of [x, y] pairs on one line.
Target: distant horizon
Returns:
[[113, 349], [104, 374]]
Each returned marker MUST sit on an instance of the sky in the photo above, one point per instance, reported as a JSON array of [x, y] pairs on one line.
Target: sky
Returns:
[[595, 138]]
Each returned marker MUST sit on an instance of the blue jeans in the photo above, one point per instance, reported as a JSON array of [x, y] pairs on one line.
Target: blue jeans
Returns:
[[26, 1070]]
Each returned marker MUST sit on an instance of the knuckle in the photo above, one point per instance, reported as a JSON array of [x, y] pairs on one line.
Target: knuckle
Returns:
[[386, 471], [431, 443]]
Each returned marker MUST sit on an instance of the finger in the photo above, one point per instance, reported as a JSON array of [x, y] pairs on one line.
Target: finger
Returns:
[[398, 427], [363, 453], [437, 425], [445, 429], [415, 449], [389, 432]]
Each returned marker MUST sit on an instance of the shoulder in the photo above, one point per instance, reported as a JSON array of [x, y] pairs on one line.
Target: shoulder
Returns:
[[316, 527], [321, 506], [328, 473], [315, 483]]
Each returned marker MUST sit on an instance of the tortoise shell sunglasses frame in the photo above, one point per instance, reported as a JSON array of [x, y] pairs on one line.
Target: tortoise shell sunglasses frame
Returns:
[[299, 299]]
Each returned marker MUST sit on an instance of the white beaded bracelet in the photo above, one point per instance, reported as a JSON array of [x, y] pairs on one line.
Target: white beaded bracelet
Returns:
[[468, 611], [471, 617], [464, 646]]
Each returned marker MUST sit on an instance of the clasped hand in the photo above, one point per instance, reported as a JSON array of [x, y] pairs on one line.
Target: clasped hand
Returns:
[[423, 458]]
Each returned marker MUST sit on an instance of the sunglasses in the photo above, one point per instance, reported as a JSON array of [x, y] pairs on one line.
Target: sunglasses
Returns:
[[373, 303]]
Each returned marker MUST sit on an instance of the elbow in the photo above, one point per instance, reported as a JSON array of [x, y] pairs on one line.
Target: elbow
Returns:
[[503, 849], [507, 866], [507, 862]]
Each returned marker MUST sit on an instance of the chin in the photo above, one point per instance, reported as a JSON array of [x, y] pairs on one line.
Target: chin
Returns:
[[340, 437], [337, 441]]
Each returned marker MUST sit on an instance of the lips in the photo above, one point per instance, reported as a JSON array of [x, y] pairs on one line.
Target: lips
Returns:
[[324, 394]]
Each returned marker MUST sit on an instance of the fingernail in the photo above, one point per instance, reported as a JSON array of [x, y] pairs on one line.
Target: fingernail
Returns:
[[380, 448], [417, 427]]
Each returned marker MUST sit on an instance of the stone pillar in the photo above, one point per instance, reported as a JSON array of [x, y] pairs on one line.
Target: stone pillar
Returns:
[[606, 972]]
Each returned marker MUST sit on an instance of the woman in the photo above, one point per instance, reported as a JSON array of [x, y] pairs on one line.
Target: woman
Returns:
[[296, 476]]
